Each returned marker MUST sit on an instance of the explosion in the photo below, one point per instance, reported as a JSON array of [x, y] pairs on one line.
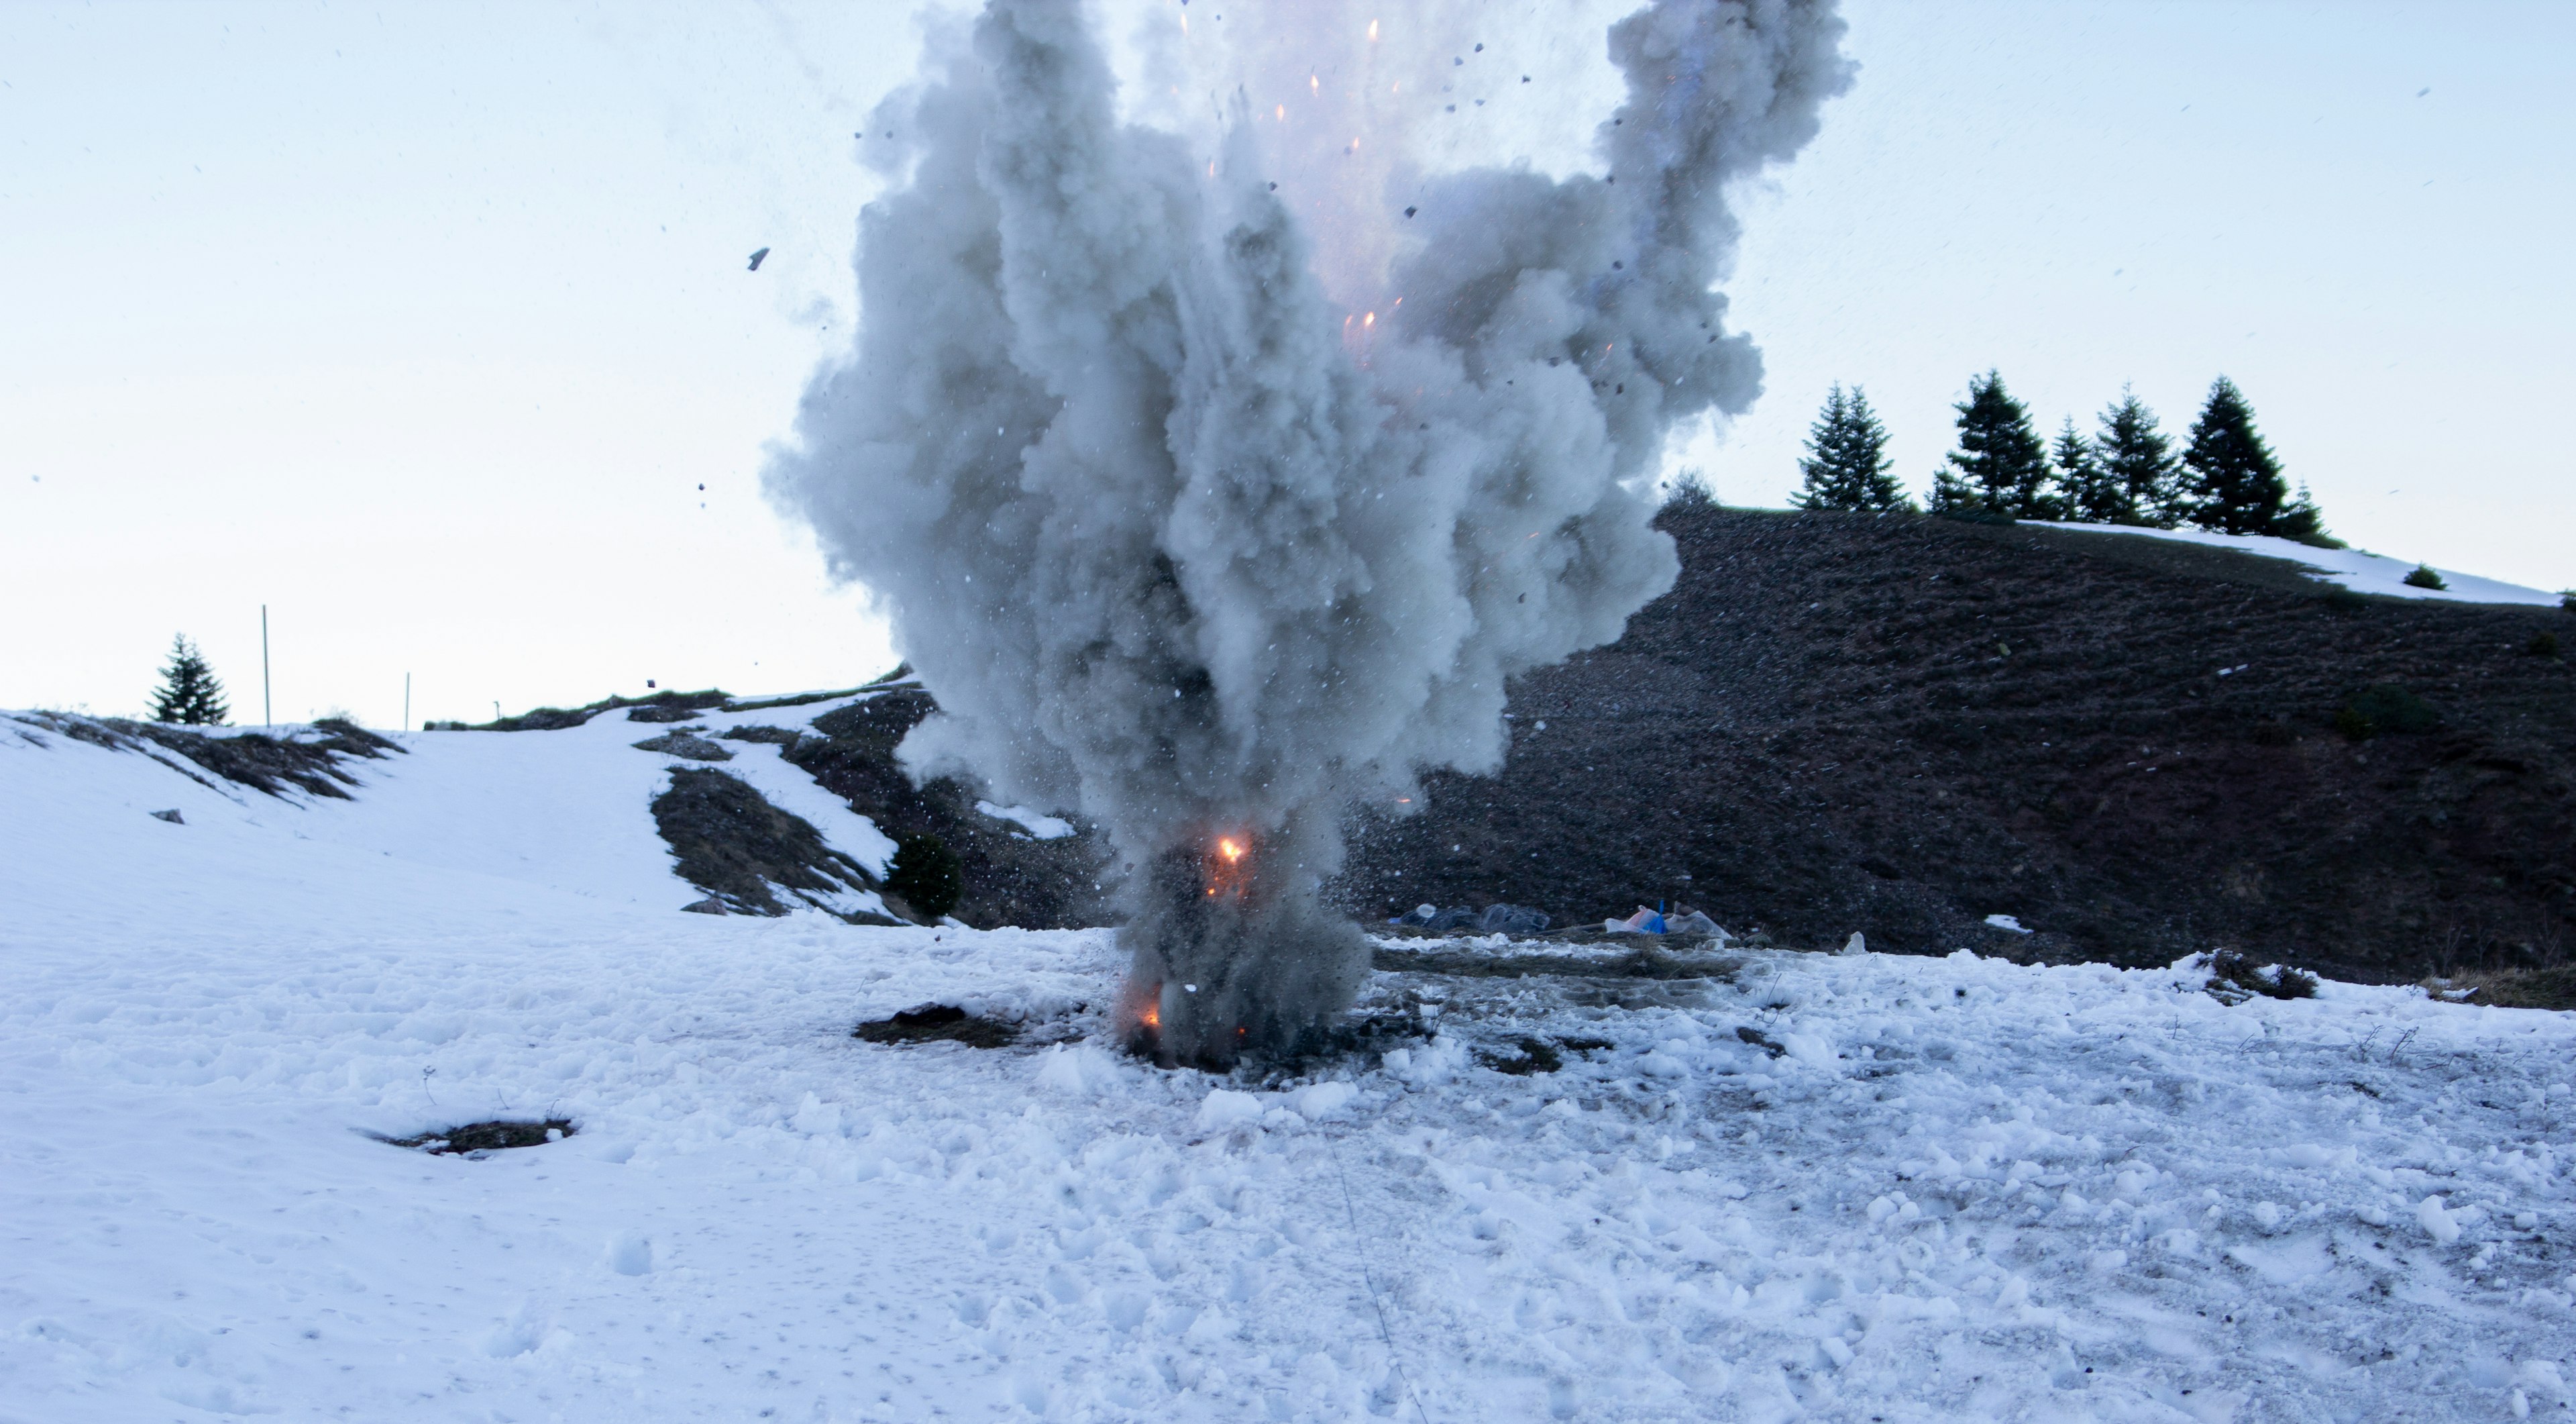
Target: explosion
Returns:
[[1215, 488]]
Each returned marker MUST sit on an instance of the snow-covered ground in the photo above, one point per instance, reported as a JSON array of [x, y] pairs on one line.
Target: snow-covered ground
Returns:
[[1848, 1187], [2355, 569]]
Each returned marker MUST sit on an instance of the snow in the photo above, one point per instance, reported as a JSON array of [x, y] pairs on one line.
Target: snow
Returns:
[[2009, 923], [2355, 569], [1038, 825], [1839, 1186]]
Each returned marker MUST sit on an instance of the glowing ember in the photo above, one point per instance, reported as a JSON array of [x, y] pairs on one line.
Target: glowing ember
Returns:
[[1229, 847]]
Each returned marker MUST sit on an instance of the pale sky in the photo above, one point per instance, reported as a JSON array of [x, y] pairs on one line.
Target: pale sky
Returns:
[[422, 325]]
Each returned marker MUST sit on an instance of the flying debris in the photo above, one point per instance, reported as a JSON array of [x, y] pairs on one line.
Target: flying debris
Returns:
[[755, 258]]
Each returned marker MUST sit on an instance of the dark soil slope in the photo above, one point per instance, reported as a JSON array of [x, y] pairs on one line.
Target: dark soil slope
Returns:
[[1901, 725], [1008, 878]]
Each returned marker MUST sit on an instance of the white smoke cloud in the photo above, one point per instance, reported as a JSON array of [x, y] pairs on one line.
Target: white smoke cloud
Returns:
[[1208, 489]]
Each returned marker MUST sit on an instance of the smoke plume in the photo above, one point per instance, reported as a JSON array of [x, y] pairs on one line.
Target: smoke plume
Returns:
[[1216, 473]]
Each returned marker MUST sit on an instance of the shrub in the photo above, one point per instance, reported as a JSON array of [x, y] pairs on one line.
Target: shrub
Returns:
[[2567, 600], [927, 874], [2386, 709], [2233, 978], [2543, 644], [2425, 577]]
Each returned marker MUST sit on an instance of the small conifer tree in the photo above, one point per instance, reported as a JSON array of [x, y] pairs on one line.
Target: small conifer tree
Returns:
[[2087, 488], [189, 692], [2000, 467], [1847, 465], [2140, 461], [2235, 483], [927, 874]]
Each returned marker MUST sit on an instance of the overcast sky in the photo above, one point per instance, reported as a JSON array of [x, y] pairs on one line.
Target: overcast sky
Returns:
[[424, 325]]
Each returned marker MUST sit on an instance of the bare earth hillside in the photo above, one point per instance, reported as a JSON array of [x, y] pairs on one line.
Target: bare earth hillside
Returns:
[[1904, 725]]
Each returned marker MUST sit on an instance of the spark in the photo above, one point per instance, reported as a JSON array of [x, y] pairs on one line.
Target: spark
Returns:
[[1372, 32], [1230, 848], [1314, 85], [1370, 320]]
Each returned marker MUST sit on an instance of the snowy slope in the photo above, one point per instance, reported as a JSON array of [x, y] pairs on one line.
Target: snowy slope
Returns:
[[1944, 1190], [2353, 568]]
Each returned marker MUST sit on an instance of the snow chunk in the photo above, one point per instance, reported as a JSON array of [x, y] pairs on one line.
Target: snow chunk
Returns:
[[2006, 922], [1226, 1108], [1039, 825], [2438, 1223], [630, 1253], [1079, 1070], [1314, 1103]]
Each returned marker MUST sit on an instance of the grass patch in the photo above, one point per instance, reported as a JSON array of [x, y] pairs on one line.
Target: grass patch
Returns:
[[686, 745], [2385, 709], [2522, 988], [2425, 577], [938, 1023], [741, 850]]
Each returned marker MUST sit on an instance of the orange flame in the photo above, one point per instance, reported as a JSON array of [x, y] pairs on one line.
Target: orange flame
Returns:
[[1229, 847]]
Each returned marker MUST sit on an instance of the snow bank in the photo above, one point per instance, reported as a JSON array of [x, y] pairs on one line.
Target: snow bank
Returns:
[[2354, 569], [1839, 1186]]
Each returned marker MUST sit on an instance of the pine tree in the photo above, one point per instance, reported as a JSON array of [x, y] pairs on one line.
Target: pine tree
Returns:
[[2000, 467], [2140, 461], [2235, 483], [927, 874], [2089, 492], [189, 692], [1847, 465]]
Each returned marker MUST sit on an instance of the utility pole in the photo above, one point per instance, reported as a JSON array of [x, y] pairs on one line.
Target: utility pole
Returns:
[[406, 702], [267, 714]]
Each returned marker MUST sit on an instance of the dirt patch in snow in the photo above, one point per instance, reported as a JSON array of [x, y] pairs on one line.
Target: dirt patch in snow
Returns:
[[476, 1138], [730, 842], [938, 1023], [306, 761]]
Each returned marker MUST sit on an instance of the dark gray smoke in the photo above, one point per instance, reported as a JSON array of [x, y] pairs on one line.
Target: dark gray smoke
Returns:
[[1182, 538]]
